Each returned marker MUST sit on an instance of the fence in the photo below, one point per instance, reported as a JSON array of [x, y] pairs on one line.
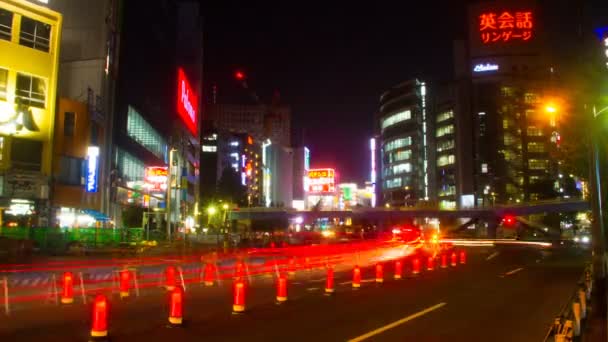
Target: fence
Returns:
[[60, 238]]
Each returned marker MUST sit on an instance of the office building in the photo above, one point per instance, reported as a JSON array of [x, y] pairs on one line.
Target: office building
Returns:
[[403, 143], [30, 37]]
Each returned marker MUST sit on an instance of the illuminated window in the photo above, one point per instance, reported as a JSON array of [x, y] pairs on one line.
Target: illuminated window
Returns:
[[509, 139], [534, 131], [446, 160], [207, 148], [484, 168], [131, 168], [31, 90], [538, 164], [3, 83], [445, 145], [531, 98], [447, 190], [397, 143], [396, 118], [393, 183], [6, 24], [445, 116], [536, 147], [534, 179], [69, 123], [1, 149], [402, 168], [445, 130], [506, 91], [402, 155], [35, 34], [508, 123], [142, 132], [447, 205]]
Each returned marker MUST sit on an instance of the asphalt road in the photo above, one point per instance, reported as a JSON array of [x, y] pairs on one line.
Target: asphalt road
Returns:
[[501, 294]]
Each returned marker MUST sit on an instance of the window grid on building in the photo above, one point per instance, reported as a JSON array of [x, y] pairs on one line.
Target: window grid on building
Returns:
[[446, 160], [35, 34], [129, 167], [445, 116], [393, 183], [31, 90], [445, 130], [396, 118], [6, 24], [142, 132], [3, 83], [397, 143], [538, 164]]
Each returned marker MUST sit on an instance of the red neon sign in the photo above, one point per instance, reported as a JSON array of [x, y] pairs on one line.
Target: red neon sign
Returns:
[[156, 178], [497, 27], [321, 180], [187, 102]]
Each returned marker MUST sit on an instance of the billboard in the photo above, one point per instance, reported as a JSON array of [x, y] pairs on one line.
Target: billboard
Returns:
[[497, 28], [92, 178], [321, 180], [187, 102], [156, 178]]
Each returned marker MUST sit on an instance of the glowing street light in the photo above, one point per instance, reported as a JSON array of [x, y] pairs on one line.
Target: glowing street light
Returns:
[[225, 206], [211, 211], [551, 109]]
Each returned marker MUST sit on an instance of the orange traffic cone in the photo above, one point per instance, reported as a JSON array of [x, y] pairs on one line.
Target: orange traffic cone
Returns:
[[124, 283], [430, 264], [356, 277], [170, 280], [176, 306], [67, 293], [208, 277], [238, 305], [444, 261], [463, 257], [453, 259], [329, 284], [281, 289], [99, 326], [379, 273], [398, 269], [415, 266]]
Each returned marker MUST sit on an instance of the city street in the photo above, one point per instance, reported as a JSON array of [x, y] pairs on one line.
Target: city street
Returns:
[[500, 294]]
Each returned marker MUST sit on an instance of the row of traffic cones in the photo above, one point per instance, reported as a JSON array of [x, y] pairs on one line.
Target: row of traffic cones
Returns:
[[99, 328]]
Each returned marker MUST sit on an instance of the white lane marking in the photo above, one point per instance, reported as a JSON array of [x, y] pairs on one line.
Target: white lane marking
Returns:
[[397, 323], [362, 280], [313, 288], [514, 271], [492, 256]]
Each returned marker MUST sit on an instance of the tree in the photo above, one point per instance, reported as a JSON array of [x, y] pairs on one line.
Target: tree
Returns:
[[230, 187]]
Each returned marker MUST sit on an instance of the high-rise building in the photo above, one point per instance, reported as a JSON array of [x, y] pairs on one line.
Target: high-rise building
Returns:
[[259, 121], [83, 128], [301, 165], [515, 133], [403, 144], [30, 37], [156, 118]]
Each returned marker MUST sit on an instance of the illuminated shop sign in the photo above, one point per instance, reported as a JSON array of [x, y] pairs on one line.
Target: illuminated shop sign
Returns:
[[187, 102], [506, 26], [92, 168], [485, 67], [321, 180], [156, 178]]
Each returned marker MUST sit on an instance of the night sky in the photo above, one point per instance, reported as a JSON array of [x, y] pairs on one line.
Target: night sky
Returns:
[[330, 63]]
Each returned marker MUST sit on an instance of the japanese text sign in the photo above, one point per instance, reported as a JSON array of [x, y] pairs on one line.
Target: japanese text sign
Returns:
[[505, 26]]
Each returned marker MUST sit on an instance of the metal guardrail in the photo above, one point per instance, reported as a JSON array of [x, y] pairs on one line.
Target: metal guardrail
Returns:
[[567, 326]]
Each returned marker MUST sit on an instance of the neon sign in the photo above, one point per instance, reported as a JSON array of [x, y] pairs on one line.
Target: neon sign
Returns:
[[156, 178], [485, 67], [92, 169], [321, 180], [187, 102], [497, 27]]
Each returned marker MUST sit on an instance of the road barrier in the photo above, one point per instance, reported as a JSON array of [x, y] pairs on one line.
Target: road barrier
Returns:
[[99, 322], [238, 305], [329, 281], [379, 274], [356, 277], [415, 266], [454, 259], [398, 269], [444, 260], [176, 304], [281, 289], [568, 325]]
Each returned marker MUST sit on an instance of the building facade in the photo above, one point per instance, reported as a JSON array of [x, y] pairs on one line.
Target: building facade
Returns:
[[403, 143], [30, 37]]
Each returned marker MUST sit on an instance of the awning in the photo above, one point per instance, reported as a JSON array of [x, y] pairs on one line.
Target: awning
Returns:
[[96, 215]]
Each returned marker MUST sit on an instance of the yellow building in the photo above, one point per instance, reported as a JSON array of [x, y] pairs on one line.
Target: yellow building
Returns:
[[29, 64]]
